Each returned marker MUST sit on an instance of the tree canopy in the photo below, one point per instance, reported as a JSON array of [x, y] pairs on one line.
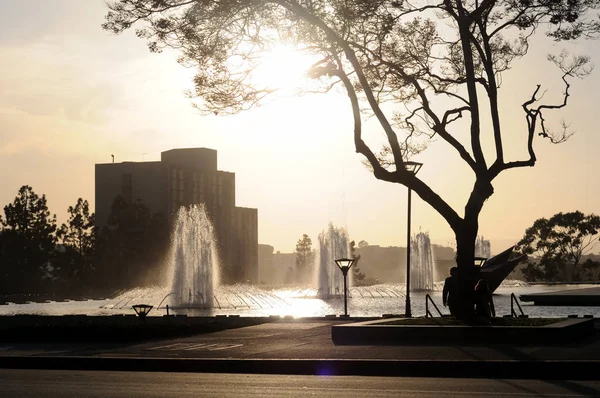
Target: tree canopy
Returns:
[[27, 242], [421, 69], [557, 244], [304, 252], [78, 238]]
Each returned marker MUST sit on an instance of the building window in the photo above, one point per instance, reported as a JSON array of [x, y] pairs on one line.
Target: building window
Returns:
[[180, 186], [213, 191], [195, 196], [202, 187], [127, 187], [220, 192], [174, 204]]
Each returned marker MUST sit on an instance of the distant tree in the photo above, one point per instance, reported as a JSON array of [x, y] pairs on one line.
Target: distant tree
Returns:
[[592, 267], [79, 231], [304, 253], [422, 70], [289, 276], [362, 244], [27, 243], [78, 239], [358, 276], [556, 245]]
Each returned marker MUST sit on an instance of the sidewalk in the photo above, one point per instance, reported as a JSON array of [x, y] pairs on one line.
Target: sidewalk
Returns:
[[306, 348]]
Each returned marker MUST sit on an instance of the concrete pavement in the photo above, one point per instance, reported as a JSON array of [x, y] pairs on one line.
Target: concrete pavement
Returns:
[[306, 348]]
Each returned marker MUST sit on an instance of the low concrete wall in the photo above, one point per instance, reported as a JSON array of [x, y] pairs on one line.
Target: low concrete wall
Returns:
[[117, 329], [128, 328], [505, 369], [378, 333]]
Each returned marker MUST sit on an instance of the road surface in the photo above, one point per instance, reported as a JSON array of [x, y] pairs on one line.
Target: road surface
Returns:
[[61, 383]]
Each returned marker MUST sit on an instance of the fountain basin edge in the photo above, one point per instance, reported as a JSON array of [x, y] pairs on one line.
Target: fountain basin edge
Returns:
[[380, 332]]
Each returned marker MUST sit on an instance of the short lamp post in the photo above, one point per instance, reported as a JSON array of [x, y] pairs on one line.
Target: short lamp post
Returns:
[[344, 264], [142, 309], [413, 168]]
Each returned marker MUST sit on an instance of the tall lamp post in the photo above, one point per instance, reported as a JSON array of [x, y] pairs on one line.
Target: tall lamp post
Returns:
[[411, 167], [344, 264]]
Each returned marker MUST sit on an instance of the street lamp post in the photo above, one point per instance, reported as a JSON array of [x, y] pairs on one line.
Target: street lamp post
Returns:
[[344, 264], [411, 167]]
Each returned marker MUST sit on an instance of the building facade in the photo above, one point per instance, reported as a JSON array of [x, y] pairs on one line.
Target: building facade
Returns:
[[181, 178]]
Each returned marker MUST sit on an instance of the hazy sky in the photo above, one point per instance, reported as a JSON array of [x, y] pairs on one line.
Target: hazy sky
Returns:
[[71, 95]]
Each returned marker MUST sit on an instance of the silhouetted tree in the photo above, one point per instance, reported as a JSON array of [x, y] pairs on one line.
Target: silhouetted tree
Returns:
[[356, 274], [592, 267], [304, 253], [557, 245], [385, 51], [27, 243], [363, 244], [304, 258], [78, 239]]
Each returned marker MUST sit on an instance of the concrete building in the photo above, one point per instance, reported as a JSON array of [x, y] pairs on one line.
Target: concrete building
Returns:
[[183, 177], [275, 268]]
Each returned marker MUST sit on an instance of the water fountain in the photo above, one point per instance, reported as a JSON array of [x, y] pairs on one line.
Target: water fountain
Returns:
[[483, 247], [333, 244], [193, 271], [421, 263], [194, 262]]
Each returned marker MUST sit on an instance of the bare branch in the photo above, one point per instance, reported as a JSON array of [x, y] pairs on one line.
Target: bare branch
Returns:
[[577, 66]]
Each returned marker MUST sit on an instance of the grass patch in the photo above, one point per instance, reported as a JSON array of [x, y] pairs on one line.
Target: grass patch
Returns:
[[450, 321]]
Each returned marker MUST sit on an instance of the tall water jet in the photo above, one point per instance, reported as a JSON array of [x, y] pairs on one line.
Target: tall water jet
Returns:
[[333, 244], [483, 248], [421, 262], [194, 260]]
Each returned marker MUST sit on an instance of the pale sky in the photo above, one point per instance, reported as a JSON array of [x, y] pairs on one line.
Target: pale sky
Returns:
[[71, 95]]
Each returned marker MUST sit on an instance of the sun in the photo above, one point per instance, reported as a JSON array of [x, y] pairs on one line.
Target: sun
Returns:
[[283, 69]]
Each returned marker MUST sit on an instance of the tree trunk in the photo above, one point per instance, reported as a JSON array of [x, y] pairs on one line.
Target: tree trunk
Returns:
[[466, 235], [467, 273]]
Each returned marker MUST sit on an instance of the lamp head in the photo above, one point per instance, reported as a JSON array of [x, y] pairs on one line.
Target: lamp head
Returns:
[[142, 309], [479, 261], [344, 264], [413, 167]]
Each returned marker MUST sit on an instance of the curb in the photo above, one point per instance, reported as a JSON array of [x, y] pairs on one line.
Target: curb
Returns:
[[503, 369]]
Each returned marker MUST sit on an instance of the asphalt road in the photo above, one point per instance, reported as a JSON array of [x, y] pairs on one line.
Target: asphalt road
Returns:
[[60, 383]]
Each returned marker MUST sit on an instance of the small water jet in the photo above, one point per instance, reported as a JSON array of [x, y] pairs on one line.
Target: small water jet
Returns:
[[483, 248], [421, 262], [194, 263], [333, 244]]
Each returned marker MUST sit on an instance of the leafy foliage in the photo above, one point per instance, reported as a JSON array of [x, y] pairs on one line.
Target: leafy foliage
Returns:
[[357, 276], [27, 242], [305, 258], [79, 231], [557, 245], [592, 267], [304, 253], [78, 239]]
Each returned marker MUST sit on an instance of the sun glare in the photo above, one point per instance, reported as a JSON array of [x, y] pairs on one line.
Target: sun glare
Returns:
[[284, 69]]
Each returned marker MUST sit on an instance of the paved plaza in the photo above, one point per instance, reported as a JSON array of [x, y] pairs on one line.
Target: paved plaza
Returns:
[[301, 347]]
